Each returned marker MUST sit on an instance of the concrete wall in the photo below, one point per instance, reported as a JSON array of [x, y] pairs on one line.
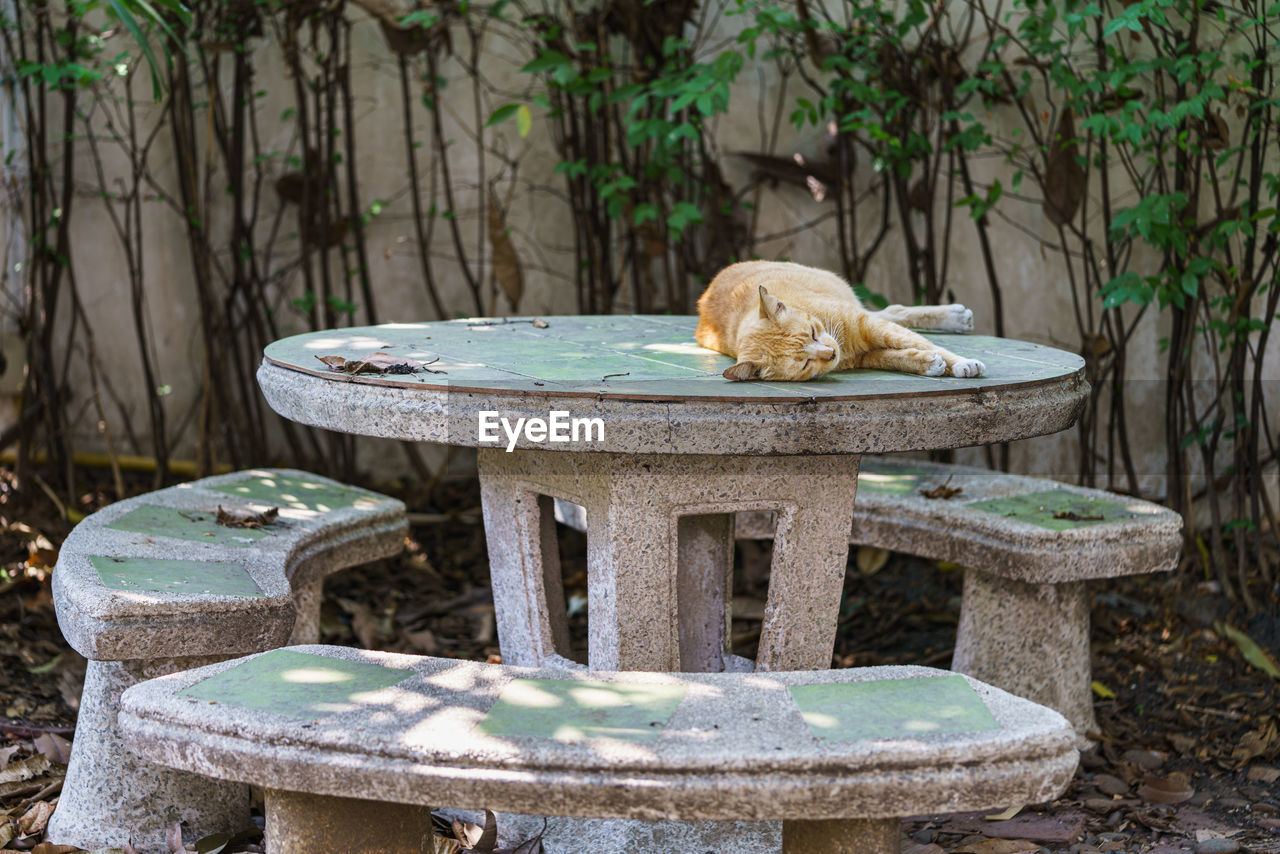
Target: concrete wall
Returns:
[[1037, 300]]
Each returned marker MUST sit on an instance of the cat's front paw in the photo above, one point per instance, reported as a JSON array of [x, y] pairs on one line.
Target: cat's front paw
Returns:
[[957, 319], [937, 367], [967, 368]]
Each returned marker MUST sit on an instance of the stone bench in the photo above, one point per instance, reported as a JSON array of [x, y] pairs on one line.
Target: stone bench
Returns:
[[153, 585], [840, 756], [1027, 545]]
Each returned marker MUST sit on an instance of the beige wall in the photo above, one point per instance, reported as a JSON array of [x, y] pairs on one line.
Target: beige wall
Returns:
[[1037, 302]]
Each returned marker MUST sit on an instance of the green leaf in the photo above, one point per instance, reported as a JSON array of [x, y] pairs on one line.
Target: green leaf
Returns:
[[501, 114], [1253, 654], [524, 120]]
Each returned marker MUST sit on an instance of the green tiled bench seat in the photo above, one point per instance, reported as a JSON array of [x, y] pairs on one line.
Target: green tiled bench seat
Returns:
[[154, 584], [838, 755], [1027, 545]]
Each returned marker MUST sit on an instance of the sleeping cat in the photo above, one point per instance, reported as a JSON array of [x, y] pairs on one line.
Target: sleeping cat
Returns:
[[784, 321]]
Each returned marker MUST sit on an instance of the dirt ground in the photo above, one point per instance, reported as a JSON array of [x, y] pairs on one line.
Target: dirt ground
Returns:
[[1188, 755]]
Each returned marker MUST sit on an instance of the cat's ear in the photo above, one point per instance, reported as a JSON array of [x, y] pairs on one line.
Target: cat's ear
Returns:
[[770, 306], [742, 371]]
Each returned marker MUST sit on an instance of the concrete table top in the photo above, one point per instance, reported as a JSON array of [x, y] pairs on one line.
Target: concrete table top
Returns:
[[657, 391], [864, 743]]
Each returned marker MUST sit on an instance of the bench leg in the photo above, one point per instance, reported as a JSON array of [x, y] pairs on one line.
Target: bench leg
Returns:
[[110, 796], [299, 823], [1032, 640], [842, 836], [306, 602]]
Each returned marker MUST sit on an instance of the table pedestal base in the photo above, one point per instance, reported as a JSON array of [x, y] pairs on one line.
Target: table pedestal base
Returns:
[[660, 555]]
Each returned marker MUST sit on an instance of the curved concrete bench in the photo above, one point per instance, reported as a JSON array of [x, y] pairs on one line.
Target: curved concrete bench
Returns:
[[839, 755], [153, 585], [1027, 545]]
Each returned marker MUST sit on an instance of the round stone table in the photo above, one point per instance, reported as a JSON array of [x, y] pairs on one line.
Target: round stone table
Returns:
[[665, 452], [661, 451]]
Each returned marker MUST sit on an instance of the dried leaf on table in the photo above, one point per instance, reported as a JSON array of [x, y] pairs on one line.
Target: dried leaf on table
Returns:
[[375, 363], [539, 323], [247, 518], [943, 491]]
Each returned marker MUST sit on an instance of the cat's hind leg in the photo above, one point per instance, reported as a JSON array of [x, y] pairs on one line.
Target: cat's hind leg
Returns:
[[944, 318]]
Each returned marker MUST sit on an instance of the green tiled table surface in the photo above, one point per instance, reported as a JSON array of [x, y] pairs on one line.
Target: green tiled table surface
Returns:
[[650, 357]]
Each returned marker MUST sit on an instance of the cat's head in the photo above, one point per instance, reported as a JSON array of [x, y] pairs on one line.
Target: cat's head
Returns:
[[788, 344]]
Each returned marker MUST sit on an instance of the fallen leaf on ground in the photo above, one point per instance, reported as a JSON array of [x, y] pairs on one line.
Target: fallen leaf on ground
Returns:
[[53, 746], [42, 558], [1166, 790], [871, 559], [1255, 743], [1263, 774], [6, 832], [35, 818], [51, 848], [1000, 846], [366, 627], [6, 753], [1102, 691], [1254, 654], [25, 769], [375, 363], [247, 518], [1006, 815], [173, 838]]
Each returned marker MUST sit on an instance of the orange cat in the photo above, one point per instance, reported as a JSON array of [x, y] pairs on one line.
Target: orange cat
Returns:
[[784, 321]]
